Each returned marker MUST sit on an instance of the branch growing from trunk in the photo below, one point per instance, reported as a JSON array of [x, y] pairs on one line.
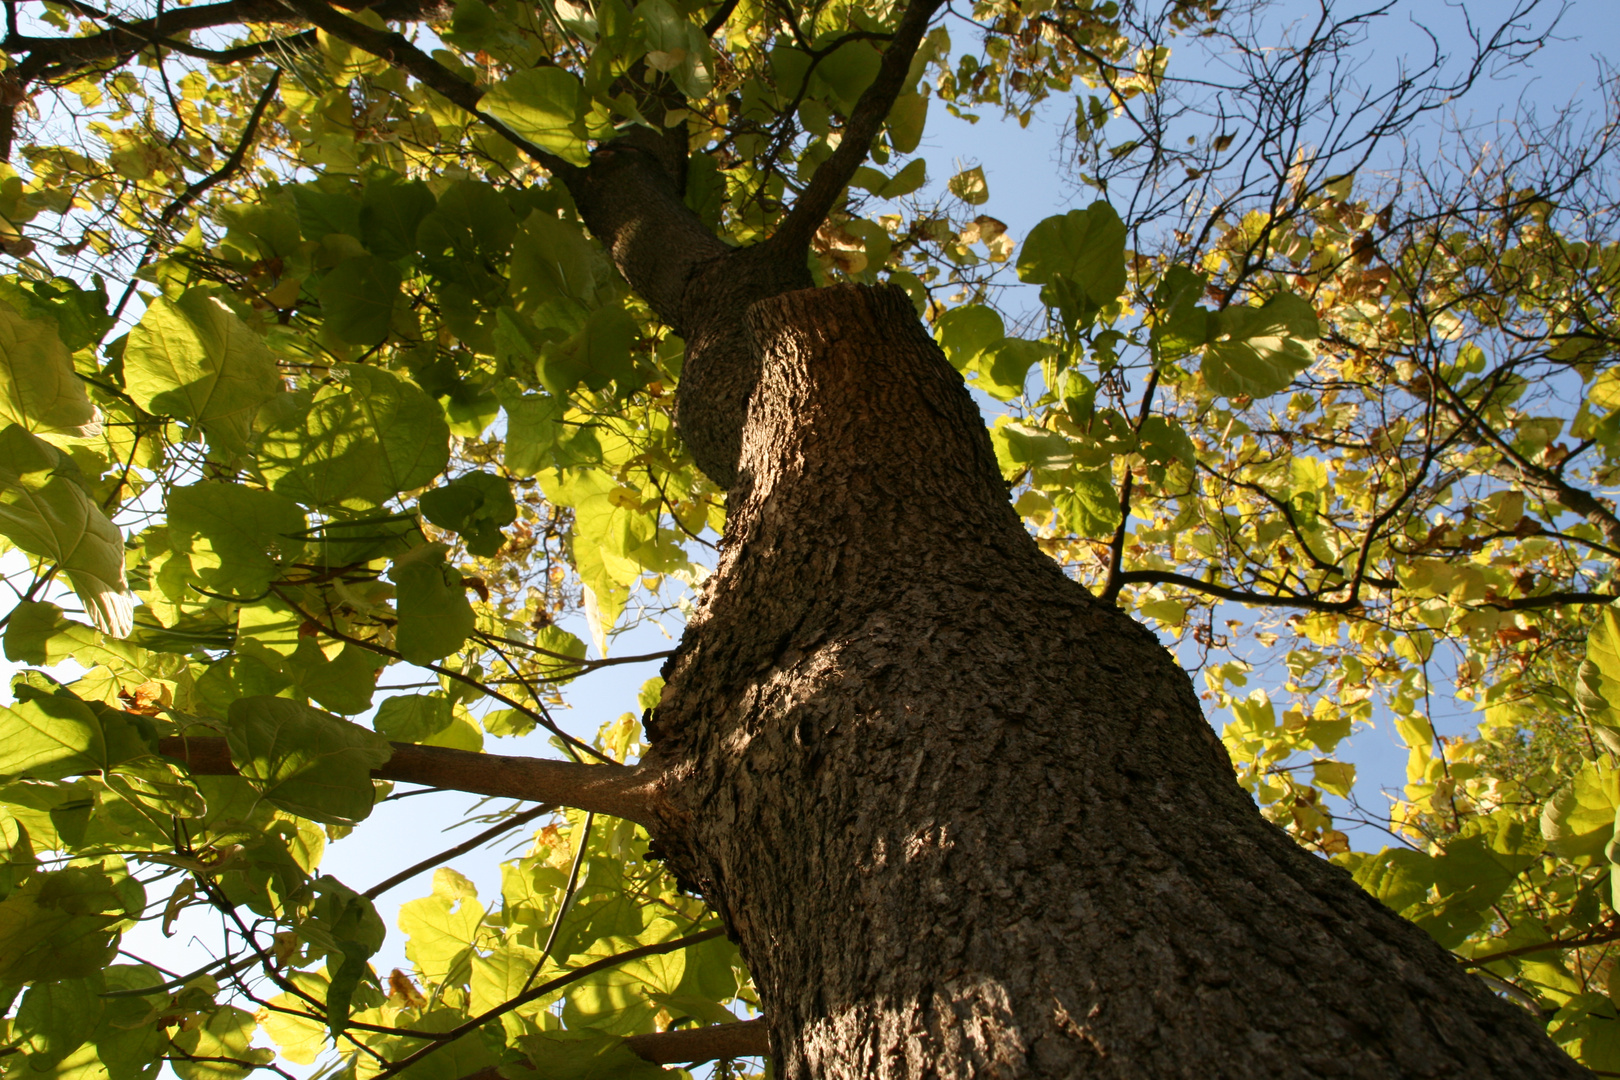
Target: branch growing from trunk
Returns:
[[398, 50], [834, 174], [63, 55], [690, 1046], [620, 791], [751, 1038]]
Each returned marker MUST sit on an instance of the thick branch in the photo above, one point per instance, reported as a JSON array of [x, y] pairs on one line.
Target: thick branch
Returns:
[[1547, 600], [124, 38], [617, 790], [834, 174], [398, 50], [751, 1038]]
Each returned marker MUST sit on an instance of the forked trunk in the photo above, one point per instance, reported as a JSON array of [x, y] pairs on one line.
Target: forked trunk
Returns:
[[968, 821]]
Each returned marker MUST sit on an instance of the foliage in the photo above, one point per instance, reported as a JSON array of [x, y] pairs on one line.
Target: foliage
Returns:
[[387, 404]]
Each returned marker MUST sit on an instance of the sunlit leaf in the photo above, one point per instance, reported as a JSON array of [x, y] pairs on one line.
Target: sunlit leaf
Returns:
[[303, 760], [45, 511], [193, 359]]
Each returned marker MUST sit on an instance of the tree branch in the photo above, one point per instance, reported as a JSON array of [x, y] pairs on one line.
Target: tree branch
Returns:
[[1580, 941], [1547, 600], [691, 1046], [1166, 577], [718, 19], [122, 38], [750, 1038], [398, 51], [829, 181], [620, 791], [195, 191], [505, 825]]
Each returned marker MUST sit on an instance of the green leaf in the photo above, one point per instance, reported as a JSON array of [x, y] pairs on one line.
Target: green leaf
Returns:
[[675, 46], [1597, 684], [597, 355], [50, 736], [44, 511], [305, 761], [193, 359], [967, 331], [907, 118], [622, 999], [472, 220], [1449, 896], [390, 213], [1163, 439], [78, 315], [476, 505], [1089, 505], [904, 182], [552, 259], [157, 790], [1578, 821], [223, 1045], [354, 927], [54, 1019], [847, 71], [610, 531], [1257, 351], [544, 105], [17, 859], [323, 213], [359, 443], [413, 718], [533, 425], [441, 928], [1084, 247], [1020, 447], [357, 299], [63, 924], [38, 390], [1180, 325], [1334, 777], [38, 633], [504, 974], [248, 535], [970, 186], [344, 684], [1002, 369], [127, 1046], [434, 615]]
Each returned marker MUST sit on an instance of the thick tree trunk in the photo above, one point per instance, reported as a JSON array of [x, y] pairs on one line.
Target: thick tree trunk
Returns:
[[968, 821]]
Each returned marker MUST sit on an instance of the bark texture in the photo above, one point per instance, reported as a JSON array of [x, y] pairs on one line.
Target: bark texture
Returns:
[[631, 199], [968, 821]]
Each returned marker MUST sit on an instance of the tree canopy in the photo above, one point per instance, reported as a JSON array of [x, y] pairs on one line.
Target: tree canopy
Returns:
[[317, 363]]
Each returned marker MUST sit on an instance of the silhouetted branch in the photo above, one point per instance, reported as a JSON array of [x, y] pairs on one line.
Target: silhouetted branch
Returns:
[[863, 124]]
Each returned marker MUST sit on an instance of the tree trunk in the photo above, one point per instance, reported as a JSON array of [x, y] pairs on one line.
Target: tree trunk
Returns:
[[967, 820]]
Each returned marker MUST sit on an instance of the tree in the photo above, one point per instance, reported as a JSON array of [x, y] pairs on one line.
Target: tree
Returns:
[[419, 284]]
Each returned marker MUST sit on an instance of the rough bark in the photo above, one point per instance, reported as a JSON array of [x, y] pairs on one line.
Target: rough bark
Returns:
[[967, 820], [696, 283]]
